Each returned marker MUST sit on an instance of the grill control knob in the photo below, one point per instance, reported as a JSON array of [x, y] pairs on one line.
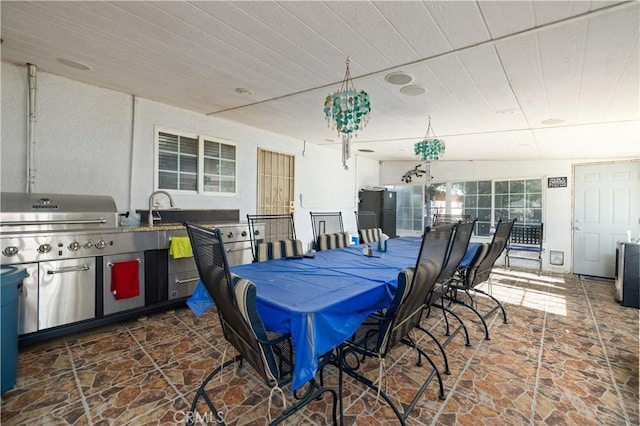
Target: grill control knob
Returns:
[[230, 234], [87, 245], [44, 248], [74, 246], [10, 251], [244, 233], [100, 244], [256, 232]]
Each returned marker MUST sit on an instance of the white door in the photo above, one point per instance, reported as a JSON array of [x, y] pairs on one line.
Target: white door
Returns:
[[605, 208]]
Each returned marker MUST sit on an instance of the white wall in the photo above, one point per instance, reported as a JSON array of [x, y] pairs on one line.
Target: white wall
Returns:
[[96, 141], [557, 202]]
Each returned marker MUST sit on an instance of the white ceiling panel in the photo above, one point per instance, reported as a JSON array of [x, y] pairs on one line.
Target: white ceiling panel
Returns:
[[552, 11], [583, 141], [493, 70], [460, 21], [416, 25], [507, 17]]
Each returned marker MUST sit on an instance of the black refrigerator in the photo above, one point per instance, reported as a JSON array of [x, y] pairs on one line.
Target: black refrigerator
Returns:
[[384, 204]]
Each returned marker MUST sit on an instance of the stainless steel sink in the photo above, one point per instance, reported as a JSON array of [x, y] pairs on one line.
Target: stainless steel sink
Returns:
[[192, 215]]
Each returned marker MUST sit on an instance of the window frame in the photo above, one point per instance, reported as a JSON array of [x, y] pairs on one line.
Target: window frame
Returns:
[[449, 185], [526, 193], [199, 163]]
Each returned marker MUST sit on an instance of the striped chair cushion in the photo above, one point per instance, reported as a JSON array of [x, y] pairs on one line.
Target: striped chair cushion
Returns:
[[278, 249], [370, 235], [245, 295], [332, 241]]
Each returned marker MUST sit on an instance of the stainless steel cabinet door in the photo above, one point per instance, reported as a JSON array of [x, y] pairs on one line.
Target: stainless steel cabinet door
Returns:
[[111, 305], [29, 300], [67, 291]]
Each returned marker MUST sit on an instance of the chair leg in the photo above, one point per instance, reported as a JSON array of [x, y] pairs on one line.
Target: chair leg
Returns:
[[444, 354], [365, 381], [424, 385], [314, 392], [202, 393], [475, 311], [370, 384], [504, 313], [464, 327]]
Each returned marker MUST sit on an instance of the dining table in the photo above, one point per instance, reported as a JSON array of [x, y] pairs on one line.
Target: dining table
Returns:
[[322, 300]]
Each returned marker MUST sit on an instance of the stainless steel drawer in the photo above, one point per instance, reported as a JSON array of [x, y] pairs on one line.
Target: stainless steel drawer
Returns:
[[67, 291], [182, 284]]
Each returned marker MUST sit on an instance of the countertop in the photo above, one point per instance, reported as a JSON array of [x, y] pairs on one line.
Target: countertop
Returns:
[[173, 226], [156, 227]]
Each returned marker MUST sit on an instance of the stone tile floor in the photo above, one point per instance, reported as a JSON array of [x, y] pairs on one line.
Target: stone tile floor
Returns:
[[568, 356]]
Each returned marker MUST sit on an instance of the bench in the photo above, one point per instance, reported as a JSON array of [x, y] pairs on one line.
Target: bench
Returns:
[[526, 238], [445, 218]]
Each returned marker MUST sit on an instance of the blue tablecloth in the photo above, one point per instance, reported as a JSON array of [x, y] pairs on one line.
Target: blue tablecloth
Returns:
[[322, 301]]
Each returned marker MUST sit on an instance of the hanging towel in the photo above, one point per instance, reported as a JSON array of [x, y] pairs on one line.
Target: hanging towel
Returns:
[[180, 247], [124, 279]]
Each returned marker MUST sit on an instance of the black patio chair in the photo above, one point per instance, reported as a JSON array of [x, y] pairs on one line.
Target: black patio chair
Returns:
[[270, 354], [528, 239], [480, 269], [457, 250], [368, 228], [273, 236], [328, 230], [381, 332]]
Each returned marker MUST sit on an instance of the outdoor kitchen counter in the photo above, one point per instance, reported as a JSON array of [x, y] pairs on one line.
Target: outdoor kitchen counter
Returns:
[[168, 226], [159, 227]]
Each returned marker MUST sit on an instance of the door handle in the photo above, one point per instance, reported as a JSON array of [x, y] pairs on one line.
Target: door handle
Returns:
[[578, 228], [69, 269], [188, 280]]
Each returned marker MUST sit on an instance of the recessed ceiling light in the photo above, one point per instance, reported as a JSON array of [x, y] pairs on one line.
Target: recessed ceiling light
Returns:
[[365, 150], [243, 91], [412, 90], [74, 64], [507, 111], [400, 78], [552, 121]]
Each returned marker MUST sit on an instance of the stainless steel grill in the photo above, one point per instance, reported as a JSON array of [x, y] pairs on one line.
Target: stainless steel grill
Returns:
[[45, 227], [22, 213], [60, 240], [68, 244]]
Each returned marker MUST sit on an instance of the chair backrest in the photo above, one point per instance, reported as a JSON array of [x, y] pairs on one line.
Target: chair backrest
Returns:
[[367, 220], [527, 235], [459, 243], [325, 223], [235, 299], [414, 286], [270, 228], [446, 218], [480, 271]]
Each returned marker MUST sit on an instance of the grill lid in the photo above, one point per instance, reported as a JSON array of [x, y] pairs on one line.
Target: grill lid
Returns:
[[24, 212]]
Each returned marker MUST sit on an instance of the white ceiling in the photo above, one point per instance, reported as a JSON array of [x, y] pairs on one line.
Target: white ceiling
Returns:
[[493, 70]]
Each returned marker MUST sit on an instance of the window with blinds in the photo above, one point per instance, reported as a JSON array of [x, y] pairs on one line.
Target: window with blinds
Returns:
[[196, 164]]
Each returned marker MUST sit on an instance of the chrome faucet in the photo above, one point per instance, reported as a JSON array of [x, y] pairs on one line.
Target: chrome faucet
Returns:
[[153, 194]]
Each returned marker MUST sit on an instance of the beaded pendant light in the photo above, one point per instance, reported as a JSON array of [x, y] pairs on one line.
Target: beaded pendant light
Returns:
[[347, 111]]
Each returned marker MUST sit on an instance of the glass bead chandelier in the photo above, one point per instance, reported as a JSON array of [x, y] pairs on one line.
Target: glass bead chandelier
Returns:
[[347, 111], [430, 148]]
